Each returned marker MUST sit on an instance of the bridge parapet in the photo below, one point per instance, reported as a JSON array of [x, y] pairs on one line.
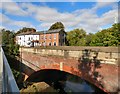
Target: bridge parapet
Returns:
[[8, 82], [108, 55]]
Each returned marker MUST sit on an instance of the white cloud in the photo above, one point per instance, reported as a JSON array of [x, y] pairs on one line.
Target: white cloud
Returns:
[[103, 4], [81, 18], [13, 8], [7, 21]]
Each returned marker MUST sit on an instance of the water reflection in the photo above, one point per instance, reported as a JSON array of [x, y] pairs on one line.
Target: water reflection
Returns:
[[64, 82]]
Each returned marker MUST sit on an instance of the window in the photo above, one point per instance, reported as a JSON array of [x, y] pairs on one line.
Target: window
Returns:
[[54, 36], [45, 37], [49, 44], [54, 43], [63, 40], [50, 37], [41, 37], [29, 38]]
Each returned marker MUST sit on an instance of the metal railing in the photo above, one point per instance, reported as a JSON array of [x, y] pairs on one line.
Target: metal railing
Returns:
[[8, 80]]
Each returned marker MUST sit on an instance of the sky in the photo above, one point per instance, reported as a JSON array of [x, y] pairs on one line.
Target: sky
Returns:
[[90, 16]]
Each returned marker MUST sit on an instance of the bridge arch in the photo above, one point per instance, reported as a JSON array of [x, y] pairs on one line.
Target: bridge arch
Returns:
[[49, 76], [65, 68]]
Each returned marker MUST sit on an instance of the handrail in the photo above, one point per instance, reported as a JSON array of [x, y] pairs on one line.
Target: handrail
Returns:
[[9, 83], [1, 71]]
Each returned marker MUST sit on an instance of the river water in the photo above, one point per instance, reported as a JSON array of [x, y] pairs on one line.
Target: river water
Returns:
[[65, 82]]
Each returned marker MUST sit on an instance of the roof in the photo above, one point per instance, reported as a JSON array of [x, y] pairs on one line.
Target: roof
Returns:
[[54, 31], [51, 31], [29, 33], [40, 32]]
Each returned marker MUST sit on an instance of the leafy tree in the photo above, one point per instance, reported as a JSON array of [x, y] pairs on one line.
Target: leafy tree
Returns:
[[107, 37], [25, 29], [57, 25], [115, 31], [5, 37], [76, 37], [88, 39], [8, 43]]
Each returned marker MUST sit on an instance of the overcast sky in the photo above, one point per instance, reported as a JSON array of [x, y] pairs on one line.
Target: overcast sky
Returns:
[[91, 16]]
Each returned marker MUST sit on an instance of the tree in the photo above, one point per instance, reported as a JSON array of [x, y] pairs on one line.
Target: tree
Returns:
[[25, 29], [5, 37], [88, 39], [57, 25], [76, 37], [107, 37], [8, 43]]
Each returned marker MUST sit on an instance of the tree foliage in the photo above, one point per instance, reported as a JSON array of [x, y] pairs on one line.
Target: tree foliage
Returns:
[[57, 25], [25, 29], [105, 37], [75, 37], [8, 43]]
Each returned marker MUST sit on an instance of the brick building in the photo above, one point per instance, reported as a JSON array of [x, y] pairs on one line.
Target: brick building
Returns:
[[44, 38], [52, 38]]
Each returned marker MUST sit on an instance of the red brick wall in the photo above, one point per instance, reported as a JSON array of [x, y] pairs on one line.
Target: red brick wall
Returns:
[[48, 40]]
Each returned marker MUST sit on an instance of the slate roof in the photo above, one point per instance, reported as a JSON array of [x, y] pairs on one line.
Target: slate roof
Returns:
[[40, 32]]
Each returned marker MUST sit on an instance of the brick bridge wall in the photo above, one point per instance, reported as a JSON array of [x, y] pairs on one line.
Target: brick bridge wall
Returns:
[[105, 54], [38, 59], [37, 63]]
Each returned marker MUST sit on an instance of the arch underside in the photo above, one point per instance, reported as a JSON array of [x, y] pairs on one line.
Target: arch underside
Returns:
[[51, 73]]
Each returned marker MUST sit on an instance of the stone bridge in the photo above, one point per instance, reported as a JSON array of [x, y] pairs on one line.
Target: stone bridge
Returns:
[[34, 61]]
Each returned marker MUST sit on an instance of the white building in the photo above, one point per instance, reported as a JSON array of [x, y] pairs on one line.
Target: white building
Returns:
[[28, 39]]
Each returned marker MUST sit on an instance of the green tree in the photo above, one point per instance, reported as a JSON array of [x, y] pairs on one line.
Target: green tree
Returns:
[[25, 29], [88, 39], [107, 37], [76, 37], [9, 46], [5, 37], [115, 31], [57, 25]]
